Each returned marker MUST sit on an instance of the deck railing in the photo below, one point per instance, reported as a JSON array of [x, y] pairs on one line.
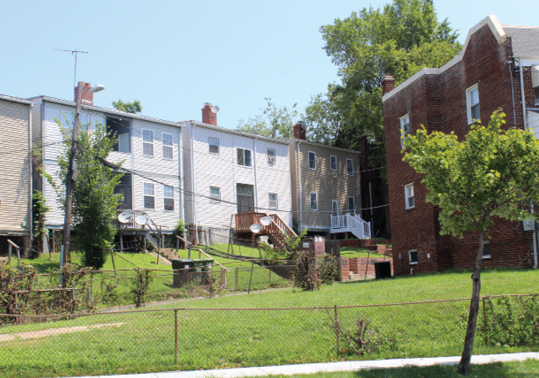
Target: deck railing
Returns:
[[351, 223]]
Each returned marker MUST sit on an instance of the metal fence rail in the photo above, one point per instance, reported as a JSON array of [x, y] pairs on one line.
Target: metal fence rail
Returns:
[[200, 338]]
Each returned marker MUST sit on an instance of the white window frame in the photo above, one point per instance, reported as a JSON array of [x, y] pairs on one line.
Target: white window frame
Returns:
[[471, 104], [315, 202], [243, 154], [409, 195], [309, 159], [168, 196], [147, 186], [168, 147], [216, 146], [350, 167], [147, 143], [272, 156], [487, 242], [405, 128], [273, 204], [215, 198], [353, 201], [332, 159], [410, 257]]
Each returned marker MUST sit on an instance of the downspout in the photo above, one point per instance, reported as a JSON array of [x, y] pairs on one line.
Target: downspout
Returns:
[[525, 119], [182, 185], [193, 186], [512, 94], [300, 191], [256, 182]]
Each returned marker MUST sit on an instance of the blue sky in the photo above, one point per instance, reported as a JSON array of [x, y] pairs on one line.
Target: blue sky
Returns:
[[174, 55]]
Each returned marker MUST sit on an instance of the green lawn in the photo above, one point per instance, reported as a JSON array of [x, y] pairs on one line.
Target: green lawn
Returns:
[[143, 341]]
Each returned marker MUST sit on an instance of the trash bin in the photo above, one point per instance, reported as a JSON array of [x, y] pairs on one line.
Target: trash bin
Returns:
[[201, 270], [181, 269], [382, 269], [196, 270]]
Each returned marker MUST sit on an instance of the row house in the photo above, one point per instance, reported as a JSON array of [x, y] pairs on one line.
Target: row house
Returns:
[[16, 167], [498, 67], [325, 187], [148, 149]]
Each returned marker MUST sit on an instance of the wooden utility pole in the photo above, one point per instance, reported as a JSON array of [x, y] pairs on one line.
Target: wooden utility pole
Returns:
[[69, 179]]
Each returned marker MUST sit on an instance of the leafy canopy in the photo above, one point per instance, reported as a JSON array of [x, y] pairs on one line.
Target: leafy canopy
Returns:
[[492, 172], [274, 122], [400, 39], [129, 107]]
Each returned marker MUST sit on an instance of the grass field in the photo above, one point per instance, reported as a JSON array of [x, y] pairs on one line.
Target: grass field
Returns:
[[143, 341]]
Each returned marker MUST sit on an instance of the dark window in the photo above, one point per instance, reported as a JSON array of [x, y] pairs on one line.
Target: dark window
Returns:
[[120, 129], [244, 157]]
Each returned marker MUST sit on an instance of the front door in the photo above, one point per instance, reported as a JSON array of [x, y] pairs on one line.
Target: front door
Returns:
[[246, 198]]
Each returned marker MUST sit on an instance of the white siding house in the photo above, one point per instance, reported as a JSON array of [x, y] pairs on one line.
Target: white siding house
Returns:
[[229, 172], [148, 149]]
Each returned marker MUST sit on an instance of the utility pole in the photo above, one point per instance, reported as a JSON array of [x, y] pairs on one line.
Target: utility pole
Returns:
[[69, 180]]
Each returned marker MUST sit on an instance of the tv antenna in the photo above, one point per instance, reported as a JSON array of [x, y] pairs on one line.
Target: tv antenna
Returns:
[[76, 53]]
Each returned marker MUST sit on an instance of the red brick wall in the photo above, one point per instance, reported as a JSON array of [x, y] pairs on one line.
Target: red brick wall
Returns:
[[439, 103]]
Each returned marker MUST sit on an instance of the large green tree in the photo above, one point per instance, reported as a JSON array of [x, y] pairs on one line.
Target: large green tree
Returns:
[[399, 39], [274, 122], [491, 174], [94, 201]]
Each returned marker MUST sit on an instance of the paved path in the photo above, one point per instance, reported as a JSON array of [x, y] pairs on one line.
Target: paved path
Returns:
[[330, 367]]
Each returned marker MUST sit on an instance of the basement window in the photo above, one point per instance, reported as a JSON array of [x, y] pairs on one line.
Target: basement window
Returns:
[[486, 250]]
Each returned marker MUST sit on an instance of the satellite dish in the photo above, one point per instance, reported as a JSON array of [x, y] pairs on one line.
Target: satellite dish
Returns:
[[142, 219], [214, 109], [125, 217], [255, 228], [266, 221]]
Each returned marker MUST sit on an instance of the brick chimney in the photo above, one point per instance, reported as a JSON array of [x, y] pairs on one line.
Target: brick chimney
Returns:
[[300, 131], [388, 84], [209, 114], [87, 96]]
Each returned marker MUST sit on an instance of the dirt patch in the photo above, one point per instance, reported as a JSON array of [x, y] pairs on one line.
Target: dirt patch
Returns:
[[53, 331]]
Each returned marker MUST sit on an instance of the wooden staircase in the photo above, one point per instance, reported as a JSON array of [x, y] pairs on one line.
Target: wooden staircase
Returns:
[[168, 253], [277, 231]]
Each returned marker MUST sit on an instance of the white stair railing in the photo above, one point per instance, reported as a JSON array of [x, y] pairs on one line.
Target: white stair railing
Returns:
[[351, 223]]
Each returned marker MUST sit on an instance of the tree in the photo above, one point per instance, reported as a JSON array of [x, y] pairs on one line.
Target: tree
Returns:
[[400, 39], [129, 107], [274, 122], [94, 201], [491, 173]]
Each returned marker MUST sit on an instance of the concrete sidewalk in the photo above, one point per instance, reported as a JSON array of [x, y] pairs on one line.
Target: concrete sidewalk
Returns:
[[330, 367]]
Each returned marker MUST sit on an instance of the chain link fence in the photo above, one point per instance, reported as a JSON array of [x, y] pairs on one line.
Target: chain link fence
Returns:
[[203, 338]]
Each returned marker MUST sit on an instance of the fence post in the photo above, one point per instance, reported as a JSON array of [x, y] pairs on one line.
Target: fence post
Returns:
[[251, 277], [236, 279], [176, 337], [337, 329]]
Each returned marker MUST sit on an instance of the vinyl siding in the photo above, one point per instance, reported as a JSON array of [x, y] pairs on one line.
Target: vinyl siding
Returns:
[[15, 163]]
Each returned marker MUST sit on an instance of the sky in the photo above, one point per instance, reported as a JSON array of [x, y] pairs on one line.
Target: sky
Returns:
[[175, 55]]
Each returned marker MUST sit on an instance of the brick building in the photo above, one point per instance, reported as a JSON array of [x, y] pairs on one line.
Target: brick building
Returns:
[[498, 67]]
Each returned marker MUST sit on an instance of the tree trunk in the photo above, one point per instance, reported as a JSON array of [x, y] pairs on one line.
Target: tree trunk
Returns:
[[465, 360]]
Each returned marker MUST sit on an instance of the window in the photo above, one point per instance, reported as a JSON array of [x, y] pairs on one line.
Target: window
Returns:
[[350, 167], [352, 205], [168, 149], [213, 144], [412, 257], [215, 194], [314, 201], [271, 155], [409, 196], [273, 201], [119, 129], [486, 250], [147, 142], [472, 104], [168, 197], [149, 196], [244, 157], [312, 160], [333, 162], [405, 128]]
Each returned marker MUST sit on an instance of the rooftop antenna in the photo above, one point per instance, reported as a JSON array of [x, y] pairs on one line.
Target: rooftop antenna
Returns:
[[76, 53]]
